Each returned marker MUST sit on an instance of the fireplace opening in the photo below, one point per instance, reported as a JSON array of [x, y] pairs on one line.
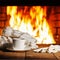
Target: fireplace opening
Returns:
[[41, 22]]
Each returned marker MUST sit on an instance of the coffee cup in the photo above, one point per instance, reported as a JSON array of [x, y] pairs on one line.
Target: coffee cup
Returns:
[[20, 44]]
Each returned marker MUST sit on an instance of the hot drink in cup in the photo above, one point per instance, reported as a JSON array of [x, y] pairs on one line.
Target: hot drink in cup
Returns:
[[20, 44]]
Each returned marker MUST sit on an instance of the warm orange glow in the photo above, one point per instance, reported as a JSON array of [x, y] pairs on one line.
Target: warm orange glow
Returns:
[[33, 21]]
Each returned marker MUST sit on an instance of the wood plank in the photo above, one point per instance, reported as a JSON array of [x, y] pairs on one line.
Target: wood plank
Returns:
[[29, 55], [12, 55], [43, 56], [57, 55]]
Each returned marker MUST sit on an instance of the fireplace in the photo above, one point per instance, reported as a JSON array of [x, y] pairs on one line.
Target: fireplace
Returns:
[[42, 22]]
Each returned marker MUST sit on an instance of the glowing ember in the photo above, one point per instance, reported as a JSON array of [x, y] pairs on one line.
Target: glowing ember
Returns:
[[31, 20]]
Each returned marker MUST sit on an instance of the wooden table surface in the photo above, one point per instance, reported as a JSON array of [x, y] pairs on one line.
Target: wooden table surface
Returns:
[[28, 55]]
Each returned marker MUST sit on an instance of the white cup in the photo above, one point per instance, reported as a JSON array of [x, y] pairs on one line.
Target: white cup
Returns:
[[20, 44]]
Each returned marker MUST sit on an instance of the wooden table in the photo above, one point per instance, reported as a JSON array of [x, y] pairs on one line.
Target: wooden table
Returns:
[[28, 55]]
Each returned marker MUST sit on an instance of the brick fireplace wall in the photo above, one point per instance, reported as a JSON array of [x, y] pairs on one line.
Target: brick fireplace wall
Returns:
[[3, 18], [54, 22]]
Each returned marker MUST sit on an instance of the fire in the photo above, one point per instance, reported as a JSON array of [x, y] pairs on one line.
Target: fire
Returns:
[[31, 20]]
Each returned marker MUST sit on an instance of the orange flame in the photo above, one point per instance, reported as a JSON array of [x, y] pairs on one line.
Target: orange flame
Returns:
[[31, 20]]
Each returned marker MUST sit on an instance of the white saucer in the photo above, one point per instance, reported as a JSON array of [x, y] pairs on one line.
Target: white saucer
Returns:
[[11, 49]]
